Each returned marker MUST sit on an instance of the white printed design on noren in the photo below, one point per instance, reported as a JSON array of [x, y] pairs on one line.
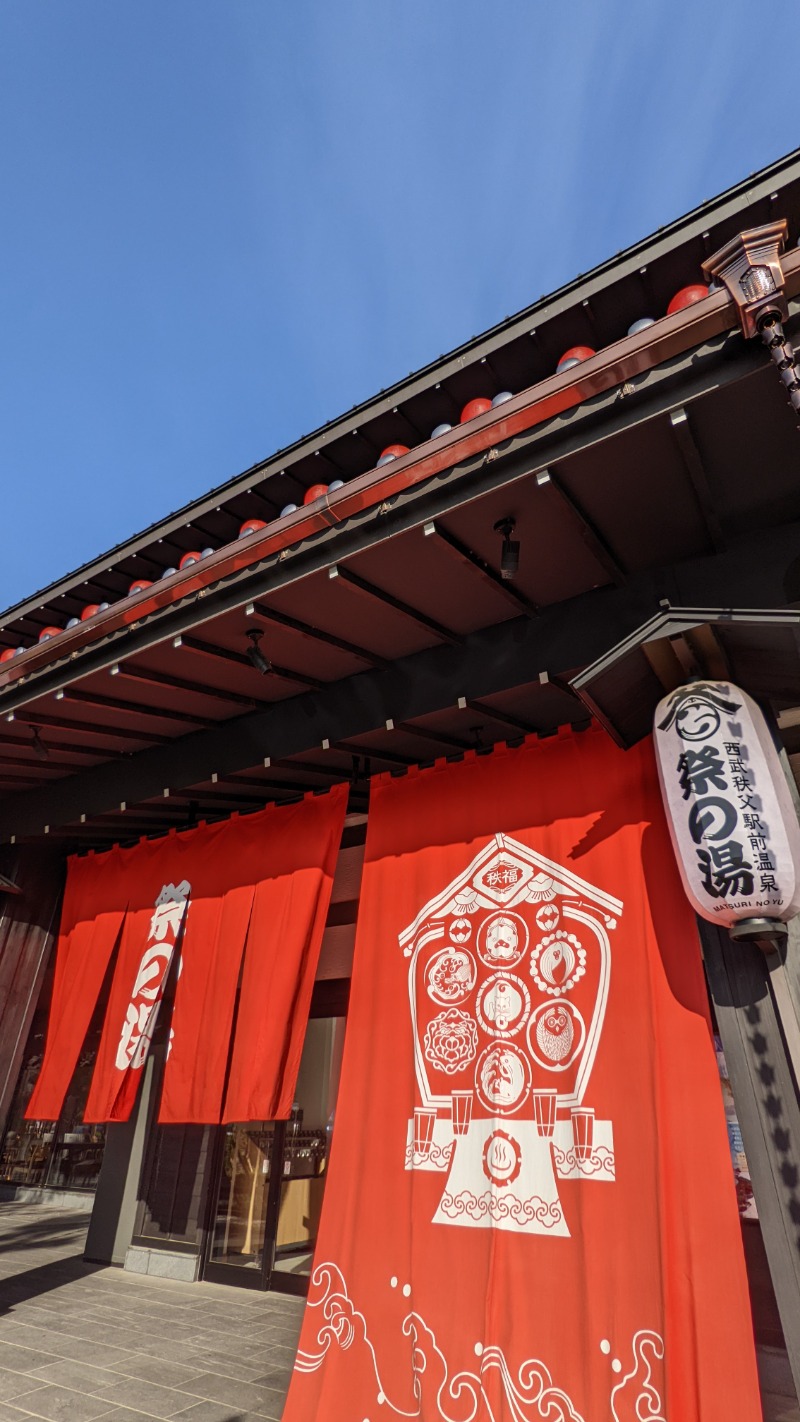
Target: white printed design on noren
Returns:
[[141, 1014], [508, 977]]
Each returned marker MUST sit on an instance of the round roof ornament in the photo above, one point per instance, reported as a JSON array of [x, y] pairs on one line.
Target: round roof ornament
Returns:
[[687, 296], [474, 408]]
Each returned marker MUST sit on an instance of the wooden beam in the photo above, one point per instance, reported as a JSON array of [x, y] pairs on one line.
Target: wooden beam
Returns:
[[506, 588], [226, 654], [595, 541], [425, 733], [36, 718], [490, 661], [371, 590], [504, 718], [684, 438], [130, 671], [316, 634], [131, 708], [662, 659]]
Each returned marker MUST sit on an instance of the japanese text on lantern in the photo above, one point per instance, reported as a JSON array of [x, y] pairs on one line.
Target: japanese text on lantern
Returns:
[[733, 826], [142, 1011]]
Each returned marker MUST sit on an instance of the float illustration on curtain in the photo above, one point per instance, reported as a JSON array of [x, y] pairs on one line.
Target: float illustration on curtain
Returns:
[[530, 1212], [507, 1007], [250, 893]]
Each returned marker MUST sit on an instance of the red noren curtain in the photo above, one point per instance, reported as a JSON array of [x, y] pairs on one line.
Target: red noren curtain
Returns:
[[530, 1211], [257, 885]]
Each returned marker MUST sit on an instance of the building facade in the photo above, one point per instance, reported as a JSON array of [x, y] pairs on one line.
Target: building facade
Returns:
[[555, 525]]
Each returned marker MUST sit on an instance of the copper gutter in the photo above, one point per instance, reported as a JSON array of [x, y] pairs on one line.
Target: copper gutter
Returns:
[[614, 365]]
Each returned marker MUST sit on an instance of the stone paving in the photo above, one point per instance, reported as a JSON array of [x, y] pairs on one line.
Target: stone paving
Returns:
[[80, 1342]]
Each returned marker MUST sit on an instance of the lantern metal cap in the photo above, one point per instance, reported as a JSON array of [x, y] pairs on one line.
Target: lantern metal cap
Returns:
[[768, 933], [749, 266]]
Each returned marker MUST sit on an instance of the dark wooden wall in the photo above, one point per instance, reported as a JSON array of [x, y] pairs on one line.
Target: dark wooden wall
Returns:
[[767, 1104], [28, 929], [175, 1179]]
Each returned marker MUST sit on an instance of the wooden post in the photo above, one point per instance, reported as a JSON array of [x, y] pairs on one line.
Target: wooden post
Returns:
[[743, 980]]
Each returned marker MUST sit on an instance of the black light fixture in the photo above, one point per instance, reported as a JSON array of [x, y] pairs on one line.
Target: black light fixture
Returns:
[[255, 654], [509, 554], [39, 747]]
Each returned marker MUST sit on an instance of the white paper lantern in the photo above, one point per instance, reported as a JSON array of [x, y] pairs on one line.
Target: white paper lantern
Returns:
[[733, 824]]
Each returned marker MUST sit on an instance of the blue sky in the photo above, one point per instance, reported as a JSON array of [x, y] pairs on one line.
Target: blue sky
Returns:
[[226, 221]]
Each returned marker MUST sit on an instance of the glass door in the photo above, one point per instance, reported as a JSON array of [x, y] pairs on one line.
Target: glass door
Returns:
[[236, 1247], [271, 1175], [304, 1152]]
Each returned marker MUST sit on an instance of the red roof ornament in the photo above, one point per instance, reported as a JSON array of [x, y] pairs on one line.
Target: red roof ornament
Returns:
[[687, 296], [392, 451], [251, 525], [314, 492], [574, 356], [474, 408]]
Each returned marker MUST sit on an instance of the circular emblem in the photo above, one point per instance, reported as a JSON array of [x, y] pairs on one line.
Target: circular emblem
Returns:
[[502, 940], [451, 976], [547, 918], [451, 1041], [461, 930], [503, 1005], [558, 962], [503, 1078], [502, 1158], [556, 1034]]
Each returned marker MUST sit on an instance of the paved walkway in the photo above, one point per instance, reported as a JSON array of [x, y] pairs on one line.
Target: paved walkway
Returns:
[[80, 1343]]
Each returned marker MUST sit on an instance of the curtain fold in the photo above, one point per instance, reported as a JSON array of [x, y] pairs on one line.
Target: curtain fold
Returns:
[[92, 916], [83, 954], [530, 1210], [281, 956], [202, 1019]]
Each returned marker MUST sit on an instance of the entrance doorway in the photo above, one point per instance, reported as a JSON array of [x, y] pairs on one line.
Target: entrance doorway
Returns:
[[270, 1175]]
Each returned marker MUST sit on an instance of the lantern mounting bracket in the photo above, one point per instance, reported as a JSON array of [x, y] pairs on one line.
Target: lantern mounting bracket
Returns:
[[749, 267]]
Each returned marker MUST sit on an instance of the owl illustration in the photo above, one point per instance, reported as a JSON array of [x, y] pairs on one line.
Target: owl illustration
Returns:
[[555, 1033]]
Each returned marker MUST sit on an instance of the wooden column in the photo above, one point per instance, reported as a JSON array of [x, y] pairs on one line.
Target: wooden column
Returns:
[[751, 995], [28, 929]]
